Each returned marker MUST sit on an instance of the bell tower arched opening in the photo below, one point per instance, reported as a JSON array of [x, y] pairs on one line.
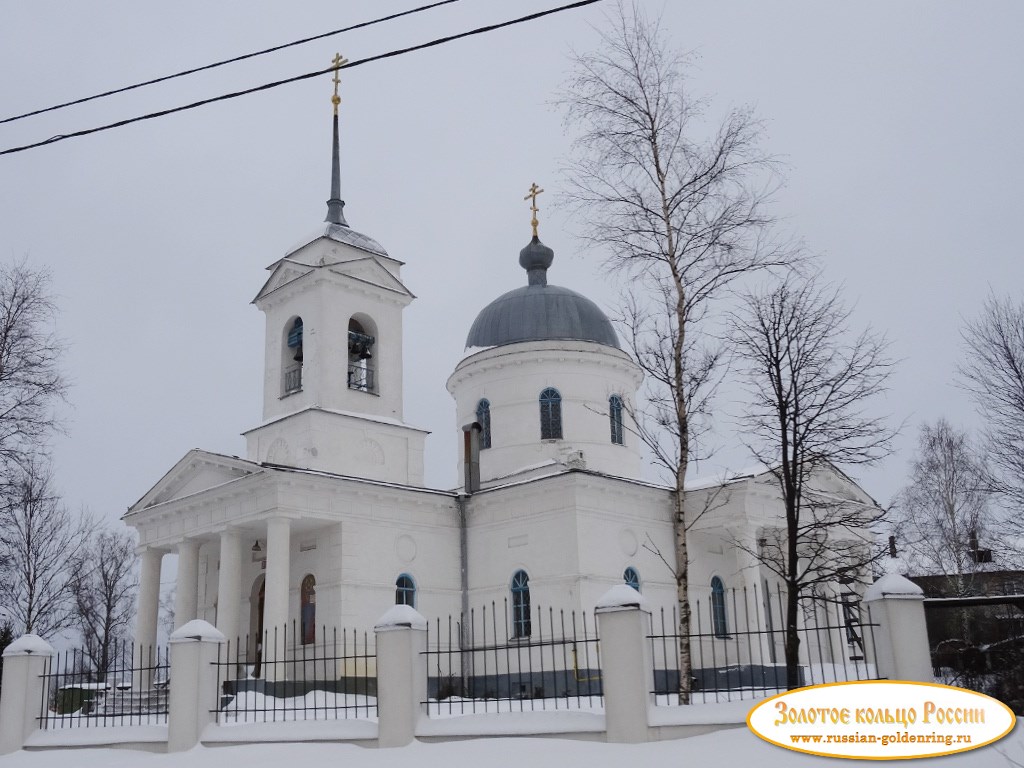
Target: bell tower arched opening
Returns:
[[291, 357], [362, 338]]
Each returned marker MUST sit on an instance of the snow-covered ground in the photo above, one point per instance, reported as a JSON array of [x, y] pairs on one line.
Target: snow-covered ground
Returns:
[[736, 747]]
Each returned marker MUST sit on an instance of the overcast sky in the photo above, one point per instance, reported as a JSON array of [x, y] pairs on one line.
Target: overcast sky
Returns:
[[901, 124]]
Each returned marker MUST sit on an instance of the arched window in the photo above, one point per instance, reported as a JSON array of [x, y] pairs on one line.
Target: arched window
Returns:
[[405, 591], [719, 626], [520, 604], [632, 578], [291, 363], [550, 414], [483, 417], [615, 417], [308, 610], [361, 371]]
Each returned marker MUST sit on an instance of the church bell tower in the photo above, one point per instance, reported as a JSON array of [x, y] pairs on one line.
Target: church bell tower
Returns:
[[332, 382]]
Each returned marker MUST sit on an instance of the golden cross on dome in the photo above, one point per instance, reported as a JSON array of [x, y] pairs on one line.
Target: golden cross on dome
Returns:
[[534, 191], [338, 61]]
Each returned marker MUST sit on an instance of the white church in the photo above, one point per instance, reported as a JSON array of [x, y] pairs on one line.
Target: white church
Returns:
[[327, 521]]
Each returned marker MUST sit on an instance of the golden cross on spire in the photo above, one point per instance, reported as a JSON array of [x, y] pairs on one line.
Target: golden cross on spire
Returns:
[[338, 61], [534, 191]]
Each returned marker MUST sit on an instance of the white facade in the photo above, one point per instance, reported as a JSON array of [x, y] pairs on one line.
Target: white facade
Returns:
[[327, 520]]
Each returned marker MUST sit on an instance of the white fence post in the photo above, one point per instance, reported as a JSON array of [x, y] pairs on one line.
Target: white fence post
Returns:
[[401, 674], [193, 685], [627, 673], [901, 639], [22, 695]]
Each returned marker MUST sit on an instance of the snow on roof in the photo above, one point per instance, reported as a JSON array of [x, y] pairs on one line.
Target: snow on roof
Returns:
[[726, 477], [350, 414], [353, 478], [27, 645], [398, 616]]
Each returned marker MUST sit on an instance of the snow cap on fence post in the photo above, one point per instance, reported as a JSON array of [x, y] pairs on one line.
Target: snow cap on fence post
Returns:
[[901, 638], [401, 674], [627, 671], [195, 648], [25, 662]]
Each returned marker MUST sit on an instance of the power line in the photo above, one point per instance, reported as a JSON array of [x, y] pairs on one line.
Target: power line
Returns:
[[216, 64], [297, 78]]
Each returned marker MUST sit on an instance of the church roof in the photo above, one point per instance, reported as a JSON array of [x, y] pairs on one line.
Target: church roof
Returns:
[[342, 233], [540, 312]]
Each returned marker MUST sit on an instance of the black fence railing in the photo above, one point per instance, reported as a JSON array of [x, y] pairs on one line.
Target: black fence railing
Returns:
[[502, 659], [126, 685], [291, 675], [977, 642], [737, 641]]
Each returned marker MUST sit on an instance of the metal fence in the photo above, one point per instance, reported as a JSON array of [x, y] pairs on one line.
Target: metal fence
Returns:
[[299, 675], [737, 642], [126, 685], [494, 661]]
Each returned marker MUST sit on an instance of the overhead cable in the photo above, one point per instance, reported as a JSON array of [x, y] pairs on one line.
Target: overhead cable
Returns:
[[216, 64], [297, 78]]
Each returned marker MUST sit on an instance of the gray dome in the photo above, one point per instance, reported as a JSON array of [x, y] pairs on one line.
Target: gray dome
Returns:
[[540, 312]]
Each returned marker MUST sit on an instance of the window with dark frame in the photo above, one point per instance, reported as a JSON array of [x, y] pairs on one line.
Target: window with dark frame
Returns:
[[405, 591], [521, 605], [615, 417], [550, 414], [483, 417], [719, 624], [307, 611], [632, 578]]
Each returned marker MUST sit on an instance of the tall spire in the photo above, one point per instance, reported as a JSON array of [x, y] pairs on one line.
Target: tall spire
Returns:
[[335, 205]]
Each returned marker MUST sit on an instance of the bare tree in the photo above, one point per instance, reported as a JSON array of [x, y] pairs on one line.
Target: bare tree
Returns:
[[41, 546], [104, 591], [994, 372], [944, 509], [681, 216], [30, 378], [810, 382]]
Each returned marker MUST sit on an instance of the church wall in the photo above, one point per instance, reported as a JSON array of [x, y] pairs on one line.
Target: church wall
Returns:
[[512, 377], [530, 527], [616, 520], [342, 444]]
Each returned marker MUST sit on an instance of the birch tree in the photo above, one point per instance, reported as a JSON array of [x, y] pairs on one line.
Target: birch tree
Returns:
[[945, 508], [680, 213]]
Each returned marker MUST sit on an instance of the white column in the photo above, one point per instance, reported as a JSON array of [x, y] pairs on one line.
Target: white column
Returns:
[[149, 599], [229, 586], [147, 615], [275, 601], [186, 601]]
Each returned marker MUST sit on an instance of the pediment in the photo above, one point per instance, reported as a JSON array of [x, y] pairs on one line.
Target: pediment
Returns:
[[284, 272], [365, 269], [197, 471], [370, 270]]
